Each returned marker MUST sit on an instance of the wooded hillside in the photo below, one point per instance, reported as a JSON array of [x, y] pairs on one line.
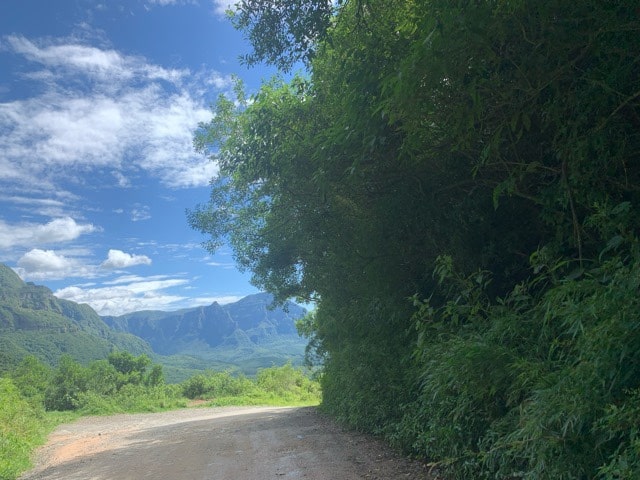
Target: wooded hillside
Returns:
[[35, 322], [457, 185]]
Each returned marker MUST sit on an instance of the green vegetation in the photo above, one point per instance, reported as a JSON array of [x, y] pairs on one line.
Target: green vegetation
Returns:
[[284, 385], [34, 397], [457, 185], [24, 424], [20, 430], [243, 359]]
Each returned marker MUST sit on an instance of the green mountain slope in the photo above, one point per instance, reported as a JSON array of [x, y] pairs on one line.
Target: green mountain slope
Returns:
[[34, 321]]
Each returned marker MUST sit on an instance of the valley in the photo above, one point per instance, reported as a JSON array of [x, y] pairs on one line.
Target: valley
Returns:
[[240, 337]]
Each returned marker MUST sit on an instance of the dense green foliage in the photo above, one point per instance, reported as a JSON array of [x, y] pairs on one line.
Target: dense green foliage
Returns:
[[457, 186], [122, 382], [34, 397]]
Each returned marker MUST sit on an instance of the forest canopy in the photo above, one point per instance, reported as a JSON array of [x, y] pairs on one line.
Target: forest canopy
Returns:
[[457, 186]]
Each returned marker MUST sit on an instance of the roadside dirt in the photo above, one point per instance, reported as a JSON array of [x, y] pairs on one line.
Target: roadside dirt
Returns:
[[218, 443]]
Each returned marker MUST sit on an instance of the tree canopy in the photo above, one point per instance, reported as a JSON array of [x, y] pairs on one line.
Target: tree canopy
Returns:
[[282, 32], [456, 184]]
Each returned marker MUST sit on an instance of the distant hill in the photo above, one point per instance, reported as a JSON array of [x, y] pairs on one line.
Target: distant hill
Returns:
[[242, 336], [245, 335], [34, 321], [248, 321]]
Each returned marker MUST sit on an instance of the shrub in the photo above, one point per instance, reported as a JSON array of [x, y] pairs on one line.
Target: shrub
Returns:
[[216, 384], [195, 387], [32, 378], [70, 379], [20, 430], [287, 382], [538, 386]]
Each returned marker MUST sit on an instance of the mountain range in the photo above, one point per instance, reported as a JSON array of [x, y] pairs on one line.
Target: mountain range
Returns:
[[241, 336], [248, 321]]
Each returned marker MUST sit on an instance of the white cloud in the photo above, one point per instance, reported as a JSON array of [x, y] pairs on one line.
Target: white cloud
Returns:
[[222, 300], [133, 278], [120, 259], [219, 6], [38, 264], [98, 108], [37, 260], [130, 293], [43, 206], [59, 230], [123, 181], [226, 266], [97, 64], [140, 213], [137, 294], [32, 202], [221, 82]]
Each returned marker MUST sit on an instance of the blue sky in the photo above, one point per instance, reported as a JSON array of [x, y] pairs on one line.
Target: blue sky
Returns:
[[98, 104]]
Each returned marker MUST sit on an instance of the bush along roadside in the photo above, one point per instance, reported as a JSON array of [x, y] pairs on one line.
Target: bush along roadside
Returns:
[[541, 385], [22, 428]]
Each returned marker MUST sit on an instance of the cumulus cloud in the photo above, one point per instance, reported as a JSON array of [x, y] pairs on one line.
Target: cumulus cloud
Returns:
[[59, 230], [120, 259], [38, 264], [36, 260], [98, 108]]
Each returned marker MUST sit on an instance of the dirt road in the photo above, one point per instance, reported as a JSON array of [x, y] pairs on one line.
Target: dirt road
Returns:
[[217, 443]]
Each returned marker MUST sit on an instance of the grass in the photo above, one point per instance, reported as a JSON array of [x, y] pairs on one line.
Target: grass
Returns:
[[23, 427], [133, 399]]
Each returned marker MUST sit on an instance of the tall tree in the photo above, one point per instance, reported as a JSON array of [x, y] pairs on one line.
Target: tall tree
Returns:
[[480, 158], [282, 32]]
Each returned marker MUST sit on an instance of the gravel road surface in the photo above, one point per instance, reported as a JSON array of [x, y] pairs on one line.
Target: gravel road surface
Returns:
[[217, 443]]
